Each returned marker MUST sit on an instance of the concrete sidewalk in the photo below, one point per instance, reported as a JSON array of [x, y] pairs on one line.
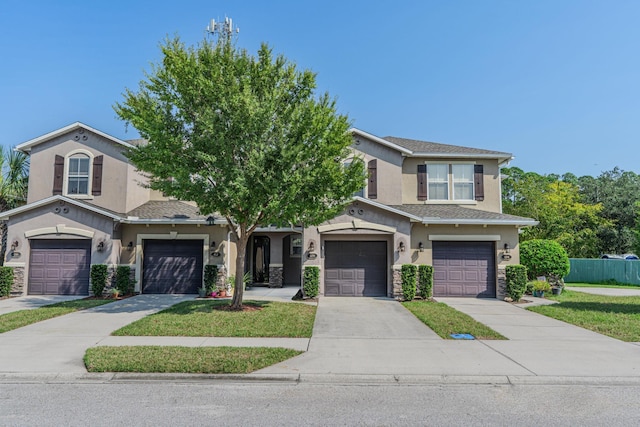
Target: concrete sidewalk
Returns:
[[611, 292]]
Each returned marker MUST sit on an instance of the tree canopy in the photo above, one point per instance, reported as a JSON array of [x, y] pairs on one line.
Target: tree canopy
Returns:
[[588, 215], [242, 136]]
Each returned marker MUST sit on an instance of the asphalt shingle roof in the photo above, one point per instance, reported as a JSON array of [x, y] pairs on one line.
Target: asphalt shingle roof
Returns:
[[166, 209], [437, 148], [453, 212]]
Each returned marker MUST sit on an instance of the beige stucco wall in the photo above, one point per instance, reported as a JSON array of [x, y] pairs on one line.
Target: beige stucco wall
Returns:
[[389, 169], [491, 200], [363, 214], [69, 223], [117, 176]]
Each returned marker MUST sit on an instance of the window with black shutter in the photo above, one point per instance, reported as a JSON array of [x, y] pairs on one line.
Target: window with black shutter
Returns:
[[372, 188], [422, 182]]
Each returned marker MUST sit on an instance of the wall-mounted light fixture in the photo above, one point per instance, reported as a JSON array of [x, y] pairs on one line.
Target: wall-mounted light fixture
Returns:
[[312, 246], [506, 247], [505, 254], [401, 246], [211, 220], [100, 246], [14, 245], [421, 247], [130, 246]]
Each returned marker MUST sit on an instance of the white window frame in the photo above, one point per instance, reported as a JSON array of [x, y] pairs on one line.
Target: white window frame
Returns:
[[65, 182], [451, 184], [470, 181]]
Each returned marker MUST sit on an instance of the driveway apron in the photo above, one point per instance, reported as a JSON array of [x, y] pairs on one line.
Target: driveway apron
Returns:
[[378, 336], [58, 345]]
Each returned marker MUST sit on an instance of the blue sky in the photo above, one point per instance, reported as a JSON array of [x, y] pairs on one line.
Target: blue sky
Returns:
[[555, 82]]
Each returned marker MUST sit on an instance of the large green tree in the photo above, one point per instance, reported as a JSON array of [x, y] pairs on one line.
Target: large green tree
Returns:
[[244, 136], [14, 175]]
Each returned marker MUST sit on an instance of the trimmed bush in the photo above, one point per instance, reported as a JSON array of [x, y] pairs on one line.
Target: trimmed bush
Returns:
[[6, 281], [544, 258], [98, 276], [124, 284], [409, 275], [311, 281], [516, 276], [425, 281], [210, 277]]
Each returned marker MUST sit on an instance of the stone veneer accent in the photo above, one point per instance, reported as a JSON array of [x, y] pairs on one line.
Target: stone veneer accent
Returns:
[[276, 275], [396, 292], [19, 282], [221, 280], [111, 279], [501, 290]]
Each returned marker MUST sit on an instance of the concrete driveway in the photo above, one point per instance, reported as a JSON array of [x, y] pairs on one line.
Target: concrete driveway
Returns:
[[29, 302], [58, 345]]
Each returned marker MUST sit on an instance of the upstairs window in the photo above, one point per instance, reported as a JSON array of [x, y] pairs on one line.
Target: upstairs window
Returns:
[[78, 175], [462, 176], [450, 181], [438, 181]]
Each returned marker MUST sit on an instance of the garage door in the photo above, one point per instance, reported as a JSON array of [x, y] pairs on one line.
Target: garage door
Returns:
[[464, 269], [172, 266], [355, 268], [59, 267]]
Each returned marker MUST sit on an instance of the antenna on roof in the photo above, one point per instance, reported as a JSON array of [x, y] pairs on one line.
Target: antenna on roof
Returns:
[[223, 29]]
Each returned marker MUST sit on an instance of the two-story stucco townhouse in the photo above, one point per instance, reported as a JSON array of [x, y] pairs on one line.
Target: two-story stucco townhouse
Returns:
[[424, 203]]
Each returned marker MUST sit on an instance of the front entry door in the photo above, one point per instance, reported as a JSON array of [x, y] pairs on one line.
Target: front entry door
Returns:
[[261, 255]]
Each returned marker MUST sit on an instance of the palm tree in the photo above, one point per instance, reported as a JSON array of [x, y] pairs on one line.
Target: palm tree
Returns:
[[14, 178]]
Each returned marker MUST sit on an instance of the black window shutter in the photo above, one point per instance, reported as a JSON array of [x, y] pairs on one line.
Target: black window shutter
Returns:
[[96, 188], [478, 180], [422, 182], [372, 189], [58, 175]]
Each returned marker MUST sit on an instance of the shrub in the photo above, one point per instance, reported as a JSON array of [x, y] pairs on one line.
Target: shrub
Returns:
[[516, 276], [6, 281], [544, 258], [541, 286], [98, 276], [124, 284], [425, 281], [210, 277], [409, 273], [311, 281]]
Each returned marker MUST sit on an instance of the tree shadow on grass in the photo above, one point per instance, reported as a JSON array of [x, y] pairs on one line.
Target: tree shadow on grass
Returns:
[[602, 307]]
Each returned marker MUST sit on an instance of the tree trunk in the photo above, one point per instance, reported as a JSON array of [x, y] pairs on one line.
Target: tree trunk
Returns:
[[241, 245], [3, 244]]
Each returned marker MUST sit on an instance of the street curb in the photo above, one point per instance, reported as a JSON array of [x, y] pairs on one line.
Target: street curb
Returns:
[[336, 379]]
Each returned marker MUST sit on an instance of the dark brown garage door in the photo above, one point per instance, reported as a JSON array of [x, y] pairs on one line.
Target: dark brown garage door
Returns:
[[355, 268], [464, 269], [172, 266], [59, 267]]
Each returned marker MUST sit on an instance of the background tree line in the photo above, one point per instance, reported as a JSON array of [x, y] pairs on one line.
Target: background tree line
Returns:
[[588, 216]]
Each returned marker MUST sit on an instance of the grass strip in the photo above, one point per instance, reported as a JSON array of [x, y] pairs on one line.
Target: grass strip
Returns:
[[194, 360], [617, 317], [198, 318], [603, 285], [18, 319], [444, 320]]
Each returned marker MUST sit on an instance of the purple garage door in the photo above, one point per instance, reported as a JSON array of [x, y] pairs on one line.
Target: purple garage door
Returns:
[[172, 266], [464, 269], [355, 268], [59, 267]]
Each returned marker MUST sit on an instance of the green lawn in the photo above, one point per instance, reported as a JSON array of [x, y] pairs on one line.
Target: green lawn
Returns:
[[444, 320], [617, 317], [198, 318], [205, 360], [602, 285], [18, 319]]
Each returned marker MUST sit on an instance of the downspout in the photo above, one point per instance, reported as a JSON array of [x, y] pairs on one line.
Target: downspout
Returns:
[[228, 252]]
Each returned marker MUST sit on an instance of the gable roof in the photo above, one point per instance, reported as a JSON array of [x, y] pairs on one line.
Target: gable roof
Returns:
[[416, 148], [168, 211], [63, 200], [25, 147]]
